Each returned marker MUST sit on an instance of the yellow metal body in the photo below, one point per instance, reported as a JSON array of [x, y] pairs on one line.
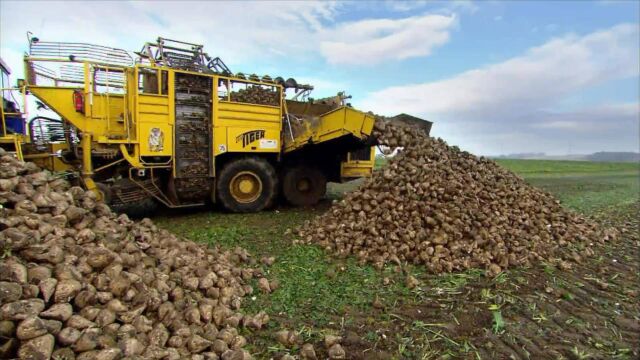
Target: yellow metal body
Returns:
[[354, 167], [128, 119], [232, 120], [114, 119], [47, 155], [329, 126], [321, 125], [14, 141], [132, 121]]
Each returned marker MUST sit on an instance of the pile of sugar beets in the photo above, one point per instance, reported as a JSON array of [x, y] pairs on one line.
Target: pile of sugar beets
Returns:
[[256, 94], [449, 210], [80, 282]]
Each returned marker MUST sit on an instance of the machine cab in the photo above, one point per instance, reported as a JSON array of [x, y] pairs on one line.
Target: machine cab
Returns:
[[12, 118], [12, 123]]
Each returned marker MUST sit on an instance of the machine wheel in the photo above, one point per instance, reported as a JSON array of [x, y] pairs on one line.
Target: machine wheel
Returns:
[[304, 186], [105, 192], [247, 185], [146, 206]]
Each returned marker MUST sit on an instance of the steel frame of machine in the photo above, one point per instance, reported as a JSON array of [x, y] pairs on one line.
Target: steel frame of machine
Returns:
[[138, 120]]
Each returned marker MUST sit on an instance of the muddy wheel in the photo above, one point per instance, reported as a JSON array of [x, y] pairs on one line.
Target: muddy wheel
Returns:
[[304, 186], [141, 209], [144, 205], [105, 192], [247, 185]]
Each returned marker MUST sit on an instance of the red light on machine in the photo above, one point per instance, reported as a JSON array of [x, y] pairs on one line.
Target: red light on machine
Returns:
[[78, 101]]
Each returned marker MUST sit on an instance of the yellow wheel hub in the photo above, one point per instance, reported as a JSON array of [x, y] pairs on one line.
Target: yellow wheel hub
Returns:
[[245, 187]]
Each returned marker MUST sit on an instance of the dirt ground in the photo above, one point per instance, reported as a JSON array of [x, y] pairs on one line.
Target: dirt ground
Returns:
[[588, 311]]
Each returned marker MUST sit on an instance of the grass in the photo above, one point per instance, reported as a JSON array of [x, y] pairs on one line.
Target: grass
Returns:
[[562, 168], [381, 160], [498, 321], [313, 286], [587, 187], [323, 293], [590, 193], [315, 289]]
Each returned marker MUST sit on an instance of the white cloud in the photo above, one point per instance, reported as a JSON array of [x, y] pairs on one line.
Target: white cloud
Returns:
[[511, 96], [604, 127], [537, 78], [463, 5], [443, 7], [599, 118], [558, 124], [241, 31], [374, 41], [402, 6]]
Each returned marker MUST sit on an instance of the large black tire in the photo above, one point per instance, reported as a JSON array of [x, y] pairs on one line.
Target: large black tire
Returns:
[[304, 185], [258, 195], [139, 209]]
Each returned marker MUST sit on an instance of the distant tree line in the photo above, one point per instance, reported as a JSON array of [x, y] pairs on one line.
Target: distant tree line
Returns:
[[614, 156], [602, 156]]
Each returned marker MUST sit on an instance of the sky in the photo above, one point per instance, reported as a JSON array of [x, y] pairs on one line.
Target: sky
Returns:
[[494, 77]]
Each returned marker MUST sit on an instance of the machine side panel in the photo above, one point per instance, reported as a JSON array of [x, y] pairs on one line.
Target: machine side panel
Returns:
[[359, 163], [235, 114], [332, 125], [105, 113], [258, 138], [60, 101], [155, 126], [241, 127], [108, 107]]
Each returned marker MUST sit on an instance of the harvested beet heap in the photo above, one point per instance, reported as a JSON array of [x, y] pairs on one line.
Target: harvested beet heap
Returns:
[[435, 205], [78, 281]]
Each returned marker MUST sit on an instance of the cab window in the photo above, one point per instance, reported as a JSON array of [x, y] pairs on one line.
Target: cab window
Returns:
[[148, 81]]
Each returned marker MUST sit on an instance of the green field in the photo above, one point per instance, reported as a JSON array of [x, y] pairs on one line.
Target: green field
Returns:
[[319, 294], [557, 167], [581, 185]]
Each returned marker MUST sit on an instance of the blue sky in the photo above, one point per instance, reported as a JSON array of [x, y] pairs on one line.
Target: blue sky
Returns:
[[495, 77]]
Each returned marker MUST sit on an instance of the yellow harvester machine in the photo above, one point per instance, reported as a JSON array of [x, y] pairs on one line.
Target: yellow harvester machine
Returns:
[[176, 127]]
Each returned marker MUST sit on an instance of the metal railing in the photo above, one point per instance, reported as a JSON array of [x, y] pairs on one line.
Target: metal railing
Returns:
[[181, 55], [103, 76], [79, 52], [99, 84]]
